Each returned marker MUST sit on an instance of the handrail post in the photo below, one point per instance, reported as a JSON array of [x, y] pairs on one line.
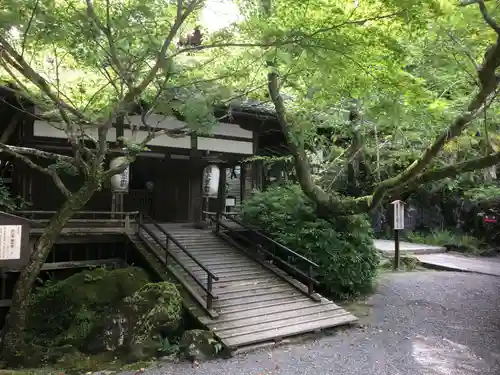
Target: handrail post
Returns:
[[140, 218], [127, 221], [209, 292], [166, 257], [310, 283], [217, 221]]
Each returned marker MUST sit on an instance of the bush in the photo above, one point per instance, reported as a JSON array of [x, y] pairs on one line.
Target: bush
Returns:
[[343, 249], [446, 238]]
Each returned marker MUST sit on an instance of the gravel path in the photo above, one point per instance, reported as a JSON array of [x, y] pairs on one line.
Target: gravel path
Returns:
[[422, 323]]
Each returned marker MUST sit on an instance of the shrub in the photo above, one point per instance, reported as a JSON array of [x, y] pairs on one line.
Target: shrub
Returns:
[[446, 238], [343, 248]]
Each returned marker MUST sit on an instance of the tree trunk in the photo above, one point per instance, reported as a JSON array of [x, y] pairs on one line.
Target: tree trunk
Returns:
[[13, 331]]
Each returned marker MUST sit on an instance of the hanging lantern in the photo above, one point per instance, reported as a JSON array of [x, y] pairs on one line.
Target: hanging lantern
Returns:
[[120, 181], [211, 180]]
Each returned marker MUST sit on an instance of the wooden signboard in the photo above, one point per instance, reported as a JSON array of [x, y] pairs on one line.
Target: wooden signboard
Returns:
[[14, 240]]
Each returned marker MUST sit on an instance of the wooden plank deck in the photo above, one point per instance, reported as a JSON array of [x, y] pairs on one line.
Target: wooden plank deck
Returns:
[[254, 305]]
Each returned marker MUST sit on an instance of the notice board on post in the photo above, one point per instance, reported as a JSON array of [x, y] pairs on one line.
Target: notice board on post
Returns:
[[14, 240]]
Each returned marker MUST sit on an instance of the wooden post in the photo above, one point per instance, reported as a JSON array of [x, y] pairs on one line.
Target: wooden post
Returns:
[[399, 224], [218, 218], [221, 194], [197, 196], [396, 250], [258, 174], [3, 277], [242, 182], [113, 205], [116, 204], [310, 284], [127, 221], [209, 295]]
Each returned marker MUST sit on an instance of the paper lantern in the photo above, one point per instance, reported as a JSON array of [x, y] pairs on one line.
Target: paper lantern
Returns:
[[120, 181], [211, 175]]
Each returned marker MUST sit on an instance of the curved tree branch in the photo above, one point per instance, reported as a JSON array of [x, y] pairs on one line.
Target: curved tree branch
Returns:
[[10, 55], [18, 152], [326, 203], [36, 153], [106, 30], [449, 171], [341, 205], [484, 11]]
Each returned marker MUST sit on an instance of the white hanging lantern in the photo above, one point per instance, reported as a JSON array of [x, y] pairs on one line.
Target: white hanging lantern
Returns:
[[211, 175], [120, 181]]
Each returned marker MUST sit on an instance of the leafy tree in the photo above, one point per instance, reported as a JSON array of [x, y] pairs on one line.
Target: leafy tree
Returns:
[[414, 68], [412, 65], [87, 65], [8, 203], [399, 91]]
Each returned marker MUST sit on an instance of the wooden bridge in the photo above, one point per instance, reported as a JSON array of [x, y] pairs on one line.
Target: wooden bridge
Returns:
[[234, 275]]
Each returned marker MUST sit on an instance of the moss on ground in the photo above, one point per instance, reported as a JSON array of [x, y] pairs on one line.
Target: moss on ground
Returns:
[[407, 262]]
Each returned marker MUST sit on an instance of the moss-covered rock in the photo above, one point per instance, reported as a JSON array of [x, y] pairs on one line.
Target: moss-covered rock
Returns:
[[33, 355], [199, 345], [139, 323], [114, 311], [64, 312], [156, 309], [107, 335]]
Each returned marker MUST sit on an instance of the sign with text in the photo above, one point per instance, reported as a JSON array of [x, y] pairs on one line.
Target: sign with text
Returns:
[[399, 215], [10, 242]]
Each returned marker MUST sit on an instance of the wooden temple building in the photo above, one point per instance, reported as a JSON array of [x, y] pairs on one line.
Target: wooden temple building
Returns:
[[238, 282], [165, 182]]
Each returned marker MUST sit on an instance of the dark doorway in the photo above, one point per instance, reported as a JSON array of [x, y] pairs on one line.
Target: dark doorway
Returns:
[[171, 191]]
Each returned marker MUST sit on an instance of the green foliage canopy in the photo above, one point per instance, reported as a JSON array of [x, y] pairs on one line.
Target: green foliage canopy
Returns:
[[416, 74]]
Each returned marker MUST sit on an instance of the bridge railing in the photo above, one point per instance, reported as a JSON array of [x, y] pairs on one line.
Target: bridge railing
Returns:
[[265, 245], [148, 226], [85, 218]]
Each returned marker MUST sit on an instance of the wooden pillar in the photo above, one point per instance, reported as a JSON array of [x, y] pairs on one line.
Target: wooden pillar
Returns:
[[221, 194], [196, 194], [257, 175], [116, 203], [25, 182], [119, 129], [243, 173], [253, 172], [256, 165]]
